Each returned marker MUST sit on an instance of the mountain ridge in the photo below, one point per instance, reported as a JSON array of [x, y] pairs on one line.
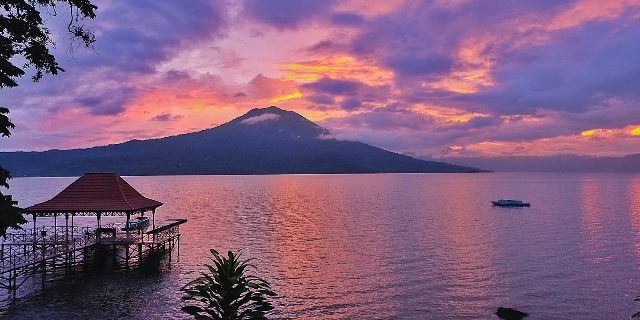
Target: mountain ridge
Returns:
[[262, 141]]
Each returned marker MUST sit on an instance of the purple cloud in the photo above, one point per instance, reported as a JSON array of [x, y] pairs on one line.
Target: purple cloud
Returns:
[[350, 94], [350, 104], [165, 117], [347, 19], [333, 86], [124, 51], [412, 65], [286, 14], [109, 102], [548, 79], [575, 72], [388, 118], [321, 99], [326, 46]]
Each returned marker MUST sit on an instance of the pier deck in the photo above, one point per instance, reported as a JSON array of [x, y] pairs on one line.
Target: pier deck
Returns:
[[46, 249], [23, 254]]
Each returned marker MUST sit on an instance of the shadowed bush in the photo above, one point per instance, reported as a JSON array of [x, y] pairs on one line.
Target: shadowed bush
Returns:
[[227, 291]]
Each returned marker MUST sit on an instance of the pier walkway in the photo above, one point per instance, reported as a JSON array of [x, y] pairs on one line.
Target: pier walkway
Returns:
[[25, 254], [46, 249], [24, 249]]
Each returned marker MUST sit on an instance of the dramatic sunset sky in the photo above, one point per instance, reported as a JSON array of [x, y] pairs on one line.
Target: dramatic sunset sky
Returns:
[[428, 78]]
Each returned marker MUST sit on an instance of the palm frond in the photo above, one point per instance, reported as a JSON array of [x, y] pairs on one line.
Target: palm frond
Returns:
[[226, 291]]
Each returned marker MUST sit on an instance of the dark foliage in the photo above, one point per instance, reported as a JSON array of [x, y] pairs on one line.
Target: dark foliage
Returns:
[[23, 33], [227, 291], [11, 216], [24, 37], [5, 123]]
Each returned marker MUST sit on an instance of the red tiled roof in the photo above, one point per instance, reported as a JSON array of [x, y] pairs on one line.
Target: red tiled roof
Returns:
[[96, 192]]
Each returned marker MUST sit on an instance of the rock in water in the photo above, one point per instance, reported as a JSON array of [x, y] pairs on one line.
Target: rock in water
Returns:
[[510, 314]]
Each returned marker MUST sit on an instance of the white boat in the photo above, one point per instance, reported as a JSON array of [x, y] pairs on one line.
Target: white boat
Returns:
[[510, 203], [139, 223]]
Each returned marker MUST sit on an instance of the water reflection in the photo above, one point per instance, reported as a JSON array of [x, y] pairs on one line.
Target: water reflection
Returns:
[[383, 246], [633, 194], [592, 221]]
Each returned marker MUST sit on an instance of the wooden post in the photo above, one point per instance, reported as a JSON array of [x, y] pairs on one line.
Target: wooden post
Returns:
[[73, 240], [72, 226], [35, 239], [140, 229], [55, 229], [127, 225], [34, 227], [66, 230], [44, 264], [153, 225], [15, 283]]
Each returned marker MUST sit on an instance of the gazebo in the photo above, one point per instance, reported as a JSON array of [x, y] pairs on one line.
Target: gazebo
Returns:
[[23, 254], [95, 194]]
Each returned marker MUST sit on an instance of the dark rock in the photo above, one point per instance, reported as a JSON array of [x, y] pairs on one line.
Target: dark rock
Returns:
[[510, 314]]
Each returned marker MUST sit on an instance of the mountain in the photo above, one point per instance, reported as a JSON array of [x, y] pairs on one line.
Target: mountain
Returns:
[[263, 141], [560, 163]]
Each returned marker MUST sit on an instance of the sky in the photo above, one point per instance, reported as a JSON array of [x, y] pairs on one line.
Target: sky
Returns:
[[424, 78]]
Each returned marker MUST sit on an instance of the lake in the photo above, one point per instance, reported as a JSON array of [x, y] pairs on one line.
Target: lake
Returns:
[[386, 246]]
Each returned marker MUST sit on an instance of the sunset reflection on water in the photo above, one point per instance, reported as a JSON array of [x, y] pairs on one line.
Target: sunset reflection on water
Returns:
[[387, 246]]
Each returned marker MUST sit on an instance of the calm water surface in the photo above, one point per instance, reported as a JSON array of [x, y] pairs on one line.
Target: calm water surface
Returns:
[[393, 246]]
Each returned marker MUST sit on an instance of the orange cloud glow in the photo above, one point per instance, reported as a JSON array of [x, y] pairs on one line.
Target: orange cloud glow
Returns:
[[589, 10], [472, 71], [619, 132], [295, 95], [609, 142], [340, 67], [587, 133], [448, 114]]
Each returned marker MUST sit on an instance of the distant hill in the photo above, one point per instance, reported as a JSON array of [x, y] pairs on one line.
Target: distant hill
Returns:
[[563, 163], [263, 141]]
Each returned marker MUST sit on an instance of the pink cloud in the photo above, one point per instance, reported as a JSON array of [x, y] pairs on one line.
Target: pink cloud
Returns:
[[414, 77]]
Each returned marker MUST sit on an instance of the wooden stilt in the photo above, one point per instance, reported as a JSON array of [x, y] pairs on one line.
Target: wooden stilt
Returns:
[[50, 255], [55, 228], [34, 234]]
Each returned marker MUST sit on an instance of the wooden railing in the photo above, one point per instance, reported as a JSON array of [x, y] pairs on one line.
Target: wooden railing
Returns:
[[45, 234], [164, 232], [21, 249], [28, 247]]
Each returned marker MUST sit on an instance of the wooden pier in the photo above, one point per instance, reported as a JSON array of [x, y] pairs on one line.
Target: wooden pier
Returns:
[[45, 250], [24, 255]]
